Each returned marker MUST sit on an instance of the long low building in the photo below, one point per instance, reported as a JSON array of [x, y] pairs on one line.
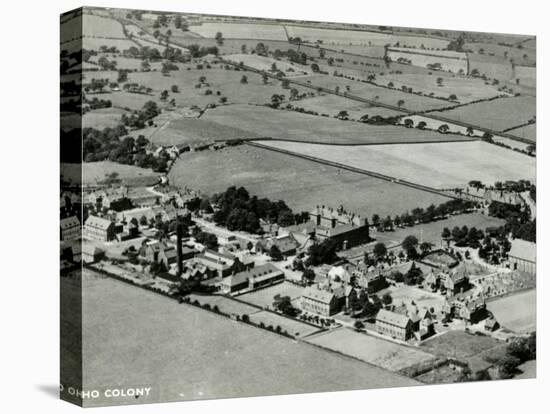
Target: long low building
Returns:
[[255, 278]]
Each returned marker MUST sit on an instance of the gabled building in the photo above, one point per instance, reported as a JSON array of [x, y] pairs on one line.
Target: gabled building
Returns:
[[70, 228], [97, 228], [287, 245], [394, 324], [346, 229], [319, 301]]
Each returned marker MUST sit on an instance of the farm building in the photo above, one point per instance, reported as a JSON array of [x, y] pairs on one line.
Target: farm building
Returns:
[[345, 228], [70, 228], [322, 302], [97, 228], [523, 256], [394, 324]]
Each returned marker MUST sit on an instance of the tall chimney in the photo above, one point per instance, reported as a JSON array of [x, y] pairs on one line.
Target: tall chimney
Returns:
[[179, 235]]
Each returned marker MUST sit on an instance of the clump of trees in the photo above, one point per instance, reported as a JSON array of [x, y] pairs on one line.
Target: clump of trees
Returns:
[[320, 253], [139, 119], [237, 210]]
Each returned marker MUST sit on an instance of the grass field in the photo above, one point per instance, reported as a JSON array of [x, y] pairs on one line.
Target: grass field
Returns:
[[528, 131], [301, 184], [265, 297], [290, 125], [424, 58], [265, 63], [504, 52], [516, 312], [94, 43], [491, 66], [93, 172], [355, 37], [292, 326], [459, 344], [442, 165], [376, 351], [498, 115], [388, 96], [465, 89], [102, 118], [431, 232], [185, 353], [241, 31], [96, 26], [332, 105]]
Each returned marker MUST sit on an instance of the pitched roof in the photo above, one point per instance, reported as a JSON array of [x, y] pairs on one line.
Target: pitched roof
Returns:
[[524, 250], [319, 295], [69, 222], [94, 221], [392, 318]]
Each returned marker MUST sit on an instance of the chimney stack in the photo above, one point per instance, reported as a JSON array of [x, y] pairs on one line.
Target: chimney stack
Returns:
[[179, 235]]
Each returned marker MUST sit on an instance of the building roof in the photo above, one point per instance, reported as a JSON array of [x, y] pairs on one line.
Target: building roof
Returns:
[[392, 318], [524, 250], [69, 222], [94, 221], [90, 249], [319, 295]]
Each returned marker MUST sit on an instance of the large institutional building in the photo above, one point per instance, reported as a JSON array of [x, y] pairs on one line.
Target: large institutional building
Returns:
[[523, 256], [347, 229]]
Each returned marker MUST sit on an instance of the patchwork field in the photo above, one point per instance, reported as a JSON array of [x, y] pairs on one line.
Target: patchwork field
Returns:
[[301, 184], [159, 343], [376, 351], [441, 165], [497, 115], [240, 31], [465, 89], [516, 312], [290, 125]]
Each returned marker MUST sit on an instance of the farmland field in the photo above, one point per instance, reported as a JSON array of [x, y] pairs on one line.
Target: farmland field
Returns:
[[449, 61], [96, 26], [388, 96], [290, 125], [505, 52], [241, 31], [465, 89], [94, 43], [497, 115], [441, 165], [528, 131], [491, 66], [264, 63], [301, 184], [102, 118], [157, 342], [365, 38], [292, 326], [331, 105], [373, 350], [516, 312]]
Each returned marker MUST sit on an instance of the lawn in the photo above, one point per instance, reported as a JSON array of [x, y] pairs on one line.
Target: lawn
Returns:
[[292, 326], [376, 351], [388, 96], [497, 115], [241, 30], [438, 165], [300, 183], [459, 344], [186, 353], [265, 297], [294, 126], [431, 232], [516, 312]]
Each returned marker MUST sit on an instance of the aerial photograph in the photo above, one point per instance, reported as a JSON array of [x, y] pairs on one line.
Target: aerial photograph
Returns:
[[253, 206]]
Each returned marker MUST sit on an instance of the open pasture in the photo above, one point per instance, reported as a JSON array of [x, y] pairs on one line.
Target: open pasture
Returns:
[[491, 66], [240, 30], [376, 351], [265, 63], [465, 89], [459, 344], [521, 56], [96, 26], [498, 115], [94, 43], [450, 61], [291, 125], [300, 183], [331, 105], [102, 118], [155, 340], [527, 131], [516, 312], [330, 37], [94, 172], [527, 75], [441, 165], [388, 96]]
